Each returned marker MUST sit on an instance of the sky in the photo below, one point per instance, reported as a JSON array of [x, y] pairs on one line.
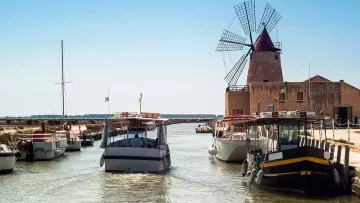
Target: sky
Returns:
[[162, 49]]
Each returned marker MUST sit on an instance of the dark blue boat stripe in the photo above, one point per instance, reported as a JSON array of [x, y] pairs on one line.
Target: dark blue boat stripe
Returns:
[[7, 154], [134, 158]]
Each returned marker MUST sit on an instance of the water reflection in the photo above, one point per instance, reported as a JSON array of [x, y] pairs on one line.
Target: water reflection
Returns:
[[135, 187]]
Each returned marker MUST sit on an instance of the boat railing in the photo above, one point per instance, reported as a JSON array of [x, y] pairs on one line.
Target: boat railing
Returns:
[[43, 137]]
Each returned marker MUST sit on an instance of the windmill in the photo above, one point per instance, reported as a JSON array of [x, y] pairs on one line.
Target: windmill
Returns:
[[265, 65]]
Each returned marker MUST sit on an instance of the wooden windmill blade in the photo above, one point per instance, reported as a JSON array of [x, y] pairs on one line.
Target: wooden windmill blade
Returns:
[[269, 19], [230, 42]]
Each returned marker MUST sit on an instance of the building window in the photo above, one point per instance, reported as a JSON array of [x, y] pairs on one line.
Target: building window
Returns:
[[237, 112], [281, 97], [266, 80], [300, 97], [276, 57]]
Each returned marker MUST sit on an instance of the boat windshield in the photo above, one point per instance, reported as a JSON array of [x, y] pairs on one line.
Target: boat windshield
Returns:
[[288, 133], [131, 134]]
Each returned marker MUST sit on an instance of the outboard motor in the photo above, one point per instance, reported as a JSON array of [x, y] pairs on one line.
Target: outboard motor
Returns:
[[105, 134], [29, 151]]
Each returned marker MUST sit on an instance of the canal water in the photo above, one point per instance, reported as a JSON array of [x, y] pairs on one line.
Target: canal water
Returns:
[[195, 176]]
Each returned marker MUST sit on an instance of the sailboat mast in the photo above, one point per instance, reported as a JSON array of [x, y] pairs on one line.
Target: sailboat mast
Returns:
[[62, 80]]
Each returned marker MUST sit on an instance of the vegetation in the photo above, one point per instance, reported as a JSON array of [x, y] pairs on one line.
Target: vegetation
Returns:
[[7, 137]]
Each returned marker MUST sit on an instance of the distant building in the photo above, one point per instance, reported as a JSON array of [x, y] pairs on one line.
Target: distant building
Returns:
[[339, 100]]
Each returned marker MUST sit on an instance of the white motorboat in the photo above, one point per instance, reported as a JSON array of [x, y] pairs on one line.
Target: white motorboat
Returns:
[[233, 145], [7, 159], [73, 140], [203, 129], [74, 143], [137, 152], [41, 146]]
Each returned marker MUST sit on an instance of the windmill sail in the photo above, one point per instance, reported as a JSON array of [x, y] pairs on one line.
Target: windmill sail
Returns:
[[230, 42], [246, 15], [233, 76], [269, 19]]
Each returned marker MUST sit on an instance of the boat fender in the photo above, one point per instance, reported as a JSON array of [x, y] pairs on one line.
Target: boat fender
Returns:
[[18, 154], [336, 177], [57, 153], [252, 176], [67, 127], [102, 160], [244, 168], [259, 177], [212, 151]]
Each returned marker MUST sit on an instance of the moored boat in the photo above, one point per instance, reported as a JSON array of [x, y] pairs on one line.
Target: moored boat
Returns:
[[232, 145], [7, 159], [293, 166], [41, 146], [205, 128]]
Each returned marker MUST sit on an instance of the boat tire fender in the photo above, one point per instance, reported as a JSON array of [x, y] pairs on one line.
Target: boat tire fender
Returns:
[[18, 154], [259, 177], [252, 176]]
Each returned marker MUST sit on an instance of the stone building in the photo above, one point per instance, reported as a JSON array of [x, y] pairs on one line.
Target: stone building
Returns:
[[339, 100]]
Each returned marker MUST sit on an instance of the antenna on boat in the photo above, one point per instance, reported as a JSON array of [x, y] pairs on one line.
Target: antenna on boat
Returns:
[[62, 82], [140, 100]]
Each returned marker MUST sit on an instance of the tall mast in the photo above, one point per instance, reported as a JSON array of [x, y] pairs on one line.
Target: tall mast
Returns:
[[62, 80]]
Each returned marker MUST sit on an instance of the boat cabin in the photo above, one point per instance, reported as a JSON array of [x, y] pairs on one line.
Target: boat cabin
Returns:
[[235, 123], [284, 129], [137, 128]]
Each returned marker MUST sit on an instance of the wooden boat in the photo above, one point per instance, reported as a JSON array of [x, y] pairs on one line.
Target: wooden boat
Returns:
[[289, 165]]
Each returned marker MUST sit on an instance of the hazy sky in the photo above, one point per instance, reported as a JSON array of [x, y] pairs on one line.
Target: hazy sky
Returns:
[[164, 49]]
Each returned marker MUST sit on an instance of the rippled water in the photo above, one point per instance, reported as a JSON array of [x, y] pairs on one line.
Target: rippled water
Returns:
[[194, 177]]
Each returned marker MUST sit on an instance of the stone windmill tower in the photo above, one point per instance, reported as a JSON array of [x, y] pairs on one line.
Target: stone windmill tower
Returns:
[[264, 55], [265, 62]]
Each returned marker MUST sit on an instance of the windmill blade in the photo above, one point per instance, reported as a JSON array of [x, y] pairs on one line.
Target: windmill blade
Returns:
[[269, 19], [234, 74], [230, 42], [246, 14]]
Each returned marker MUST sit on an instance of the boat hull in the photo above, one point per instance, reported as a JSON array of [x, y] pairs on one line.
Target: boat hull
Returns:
[[73, 146], [236, 150], [44, 151], [7, 162], [136, 160], [304, 170]]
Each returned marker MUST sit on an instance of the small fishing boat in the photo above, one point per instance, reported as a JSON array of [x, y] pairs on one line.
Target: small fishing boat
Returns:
[[87, 141], [205, 128], [137, 152], [288, 165], [7, 159], [41, 146]]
